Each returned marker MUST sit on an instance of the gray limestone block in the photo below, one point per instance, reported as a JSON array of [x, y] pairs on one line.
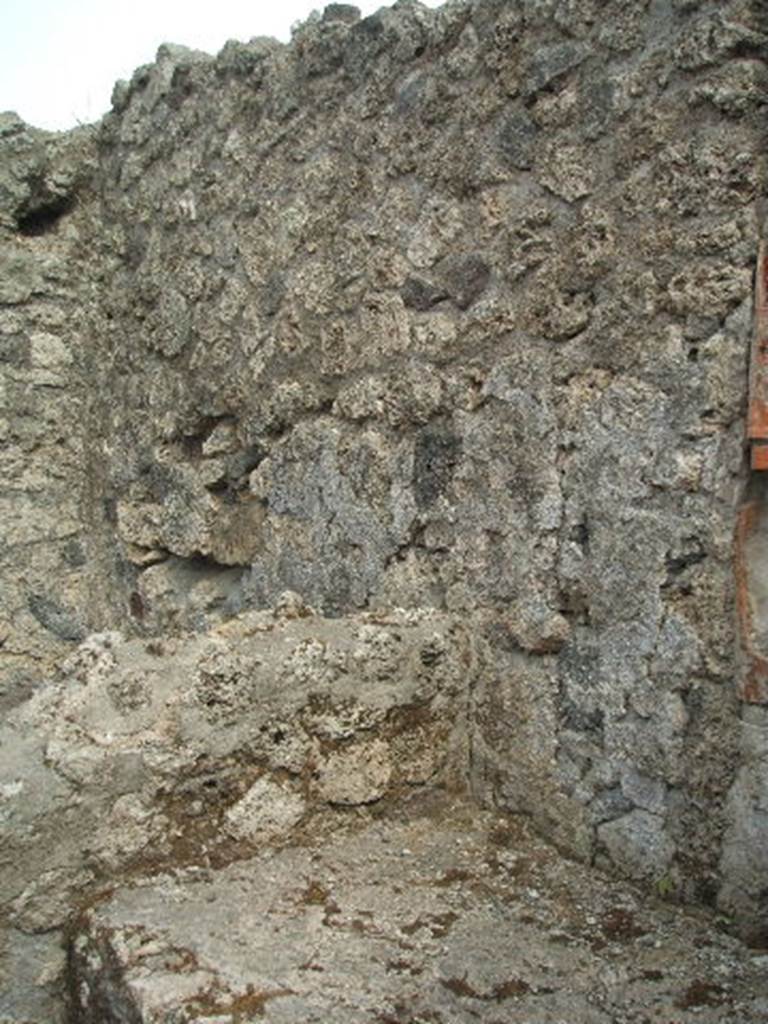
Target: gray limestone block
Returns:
[[637, 845]]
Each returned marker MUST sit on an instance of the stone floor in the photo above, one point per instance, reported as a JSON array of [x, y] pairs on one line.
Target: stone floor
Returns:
[[435, 914]]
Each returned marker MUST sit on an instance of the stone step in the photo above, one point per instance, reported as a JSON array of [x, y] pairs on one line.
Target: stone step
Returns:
[[436, 914]]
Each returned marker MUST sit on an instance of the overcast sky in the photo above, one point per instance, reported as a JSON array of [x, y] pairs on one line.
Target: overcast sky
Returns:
[[60, 58]]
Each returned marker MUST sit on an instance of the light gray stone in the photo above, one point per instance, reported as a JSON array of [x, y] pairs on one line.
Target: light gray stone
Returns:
[[452, 913]]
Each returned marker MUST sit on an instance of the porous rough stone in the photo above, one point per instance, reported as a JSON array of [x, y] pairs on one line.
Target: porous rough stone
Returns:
[[266, 810], [372, 416], [147, 754]]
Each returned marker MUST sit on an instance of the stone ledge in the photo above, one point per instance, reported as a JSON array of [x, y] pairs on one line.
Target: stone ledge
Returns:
[[439, 913]]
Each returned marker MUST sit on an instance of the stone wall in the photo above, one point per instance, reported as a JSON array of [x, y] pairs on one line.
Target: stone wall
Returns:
[[436, 309], [44, 340], [452, 309]]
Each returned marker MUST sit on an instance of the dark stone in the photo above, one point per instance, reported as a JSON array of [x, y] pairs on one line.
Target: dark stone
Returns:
[[11, 125], [690, 553], [436, 454], [241, 463], [241, 60], [551, 63], [516, 140], [14, 349], [136, 242], [422, 295], [182, 86], [15, 688], [341, 12], [580, 719], [159, 481], [274, 292], [364, 42], [465, 277], [597, 108], [109, 506], [338, 592], [372, 26], [414, 95], [579, 664], [136, 605], [608, 805], [74, 555], [55, 619], [579, 534]]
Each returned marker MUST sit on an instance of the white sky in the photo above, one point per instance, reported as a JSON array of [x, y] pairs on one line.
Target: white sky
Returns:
[[60, 58]]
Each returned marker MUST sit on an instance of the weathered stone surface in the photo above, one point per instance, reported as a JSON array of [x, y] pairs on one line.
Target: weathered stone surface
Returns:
[[745, 848], [182, 751], [265, 811], [44, 518], [439, 309], [445, 915]]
